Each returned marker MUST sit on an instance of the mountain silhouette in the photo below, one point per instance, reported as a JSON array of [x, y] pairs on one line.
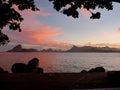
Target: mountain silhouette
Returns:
[[19, 48], [50, 50], [92, 49], [74, 48]]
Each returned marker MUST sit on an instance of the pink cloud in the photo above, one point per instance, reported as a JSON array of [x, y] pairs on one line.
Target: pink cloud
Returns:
[[34, 32], [42, 32], [31, 17], [39, 13], [34, 35], [43, 36], [84, 12], [30, 12]]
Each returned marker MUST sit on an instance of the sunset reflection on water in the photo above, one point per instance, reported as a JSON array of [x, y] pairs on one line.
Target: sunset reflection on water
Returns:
[[63, 62]]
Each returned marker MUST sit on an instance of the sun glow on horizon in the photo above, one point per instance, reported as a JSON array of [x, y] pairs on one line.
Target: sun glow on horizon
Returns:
[[48, 28]]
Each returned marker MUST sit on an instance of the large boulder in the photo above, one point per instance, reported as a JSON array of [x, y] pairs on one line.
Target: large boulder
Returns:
[[33, 66], [84, 71], [113, 77], [40, 70], [19, 68], [97, 69], [2, 70]]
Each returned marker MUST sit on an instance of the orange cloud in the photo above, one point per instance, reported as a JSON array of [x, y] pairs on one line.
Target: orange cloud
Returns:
[[112, 45], [42, 32], [43, 36], [34, 32], [113, 35], [118, 31], [107, 36]]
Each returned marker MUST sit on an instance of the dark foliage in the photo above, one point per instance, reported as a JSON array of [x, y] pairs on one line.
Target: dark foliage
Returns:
[[3, 39], [12, 18], [71, 7]]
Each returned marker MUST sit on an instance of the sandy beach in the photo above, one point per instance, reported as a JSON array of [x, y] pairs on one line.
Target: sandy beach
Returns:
[[55, 81]]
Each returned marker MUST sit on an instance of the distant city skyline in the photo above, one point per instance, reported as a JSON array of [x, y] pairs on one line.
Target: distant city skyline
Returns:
[[49, 28]]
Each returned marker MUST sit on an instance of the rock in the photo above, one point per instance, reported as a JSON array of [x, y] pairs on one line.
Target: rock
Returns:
[[2, 70], [39, 70], [33, 66], [97, 69], [19, 68], [83, 71], [114, 77]]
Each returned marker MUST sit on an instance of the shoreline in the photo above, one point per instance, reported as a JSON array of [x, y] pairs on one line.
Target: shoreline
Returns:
[[56, 81]]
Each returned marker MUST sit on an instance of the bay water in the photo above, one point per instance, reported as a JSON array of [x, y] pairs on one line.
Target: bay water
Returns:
[[62, 62]]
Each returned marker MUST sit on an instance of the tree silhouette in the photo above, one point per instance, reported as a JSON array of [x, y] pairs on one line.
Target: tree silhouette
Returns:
[[71, 7], [12, 18]]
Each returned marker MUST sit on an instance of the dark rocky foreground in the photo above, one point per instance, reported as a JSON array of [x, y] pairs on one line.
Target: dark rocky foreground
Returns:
[[57, 81]]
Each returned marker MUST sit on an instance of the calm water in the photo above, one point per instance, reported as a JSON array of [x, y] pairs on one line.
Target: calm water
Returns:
[[63, 62]]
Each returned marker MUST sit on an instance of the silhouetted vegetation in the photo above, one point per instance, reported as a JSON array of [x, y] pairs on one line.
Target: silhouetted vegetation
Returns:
[[10, 17], [71, 7]]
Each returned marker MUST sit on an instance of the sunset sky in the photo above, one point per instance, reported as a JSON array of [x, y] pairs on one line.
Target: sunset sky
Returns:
[[49, 28]]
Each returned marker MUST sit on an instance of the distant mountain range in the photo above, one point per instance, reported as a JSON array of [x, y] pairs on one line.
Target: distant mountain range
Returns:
[[50, 50], [19, 48], [92, 49]]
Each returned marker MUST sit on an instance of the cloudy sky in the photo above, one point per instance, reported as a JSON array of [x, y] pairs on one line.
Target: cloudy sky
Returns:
[[49, 28]]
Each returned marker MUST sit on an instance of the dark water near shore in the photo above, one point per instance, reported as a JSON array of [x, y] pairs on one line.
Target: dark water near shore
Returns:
[[63, 62]]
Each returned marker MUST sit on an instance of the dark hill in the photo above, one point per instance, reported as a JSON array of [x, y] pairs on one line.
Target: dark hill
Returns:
[[92, 49], [19, 48]]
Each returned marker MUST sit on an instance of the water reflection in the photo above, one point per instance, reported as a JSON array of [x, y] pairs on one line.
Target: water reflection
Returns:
[[63, 62]]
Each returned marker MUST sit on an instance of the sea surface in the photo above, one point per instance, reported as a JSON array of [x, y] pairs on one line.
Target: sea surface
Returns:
[[63, 62]]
